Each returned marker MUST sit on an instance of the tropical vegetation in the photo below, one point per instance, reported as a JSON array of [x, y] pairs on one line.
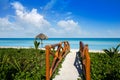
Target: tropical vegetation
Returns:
[[106, 66], [17, 64], [23, 64], [29, 64]]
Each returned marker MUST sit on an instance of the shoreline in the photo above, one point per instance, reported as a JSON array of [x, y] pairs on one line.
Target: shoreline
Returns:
[[19, 47], [95, 51]]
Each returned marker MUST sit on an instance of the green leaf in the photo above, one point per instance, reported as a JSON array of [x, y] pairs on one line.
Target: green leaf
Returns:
[[15, 64], [36, 44], [112, 51], [106, 51], [116, 49]]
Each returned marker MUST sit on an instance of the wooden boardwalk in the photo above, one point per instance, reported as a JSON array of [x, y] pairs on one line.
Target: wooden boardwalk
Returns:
[[71, 67]]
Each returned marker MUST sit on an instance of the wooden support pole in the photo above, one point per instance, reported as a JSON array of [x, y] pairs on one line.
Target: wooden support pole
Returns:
[[84, 53], [87, 63], [88, 69], [47, 51]]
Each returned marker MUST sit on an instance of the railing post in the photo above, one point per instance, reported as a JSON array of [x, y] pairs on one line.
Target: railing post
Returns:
[[85, 60], [88, 69], [81, 46], [87, 63], [47, 52]]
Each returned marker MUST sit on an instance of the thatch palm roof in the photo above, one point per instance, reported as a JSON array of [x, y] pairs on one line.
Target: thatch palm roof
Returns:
[[42, 36]]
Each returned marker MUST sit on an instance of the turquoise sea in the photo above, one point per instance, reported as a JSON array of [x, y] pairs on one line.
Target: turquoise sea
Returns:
[[94, 43]]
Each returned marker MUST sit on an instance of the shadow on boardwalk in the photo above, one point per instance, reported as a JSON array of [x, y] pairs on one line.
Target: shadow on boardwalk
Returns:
[[78, 65]]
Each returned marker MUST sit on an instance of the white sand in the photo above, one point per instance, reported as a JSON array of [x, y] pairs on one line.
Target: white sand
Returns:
[[96, 51], [19, 47], [99, 51], [68, 70]]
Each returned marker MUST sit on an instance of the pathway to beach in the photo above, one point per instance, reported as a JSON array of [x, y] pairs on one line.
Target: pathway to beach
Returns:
[[68, 70]]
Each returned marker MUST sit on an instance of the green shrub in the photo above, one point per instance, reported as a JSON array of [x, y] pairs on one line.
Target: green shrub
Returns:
[[105, 68], [20, 64]]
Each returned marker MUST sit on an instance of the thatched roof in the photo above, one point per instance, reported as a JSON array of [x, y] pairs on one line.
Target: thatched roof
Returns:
[[42, 36]]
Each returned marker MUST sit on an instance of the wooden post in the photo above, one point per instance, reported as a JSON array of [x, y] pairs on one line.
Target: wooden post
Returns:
[[81, 47], [85, 60], [88, 69], [87, 63], [47, 51]]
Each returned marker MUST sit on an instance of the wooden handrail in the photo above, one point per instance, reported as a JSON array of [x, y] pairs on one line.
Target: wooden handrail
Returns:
[[84, 53], [62, 49]]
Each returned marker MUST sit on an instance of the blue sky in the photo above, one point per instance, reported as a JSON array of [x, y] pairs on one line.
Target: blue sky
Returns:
[[60, 18]]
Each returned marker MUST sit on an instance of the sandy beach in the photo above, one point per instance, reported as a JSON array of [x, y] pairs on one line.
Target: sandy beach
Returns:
[[19, 47], [95, 51]]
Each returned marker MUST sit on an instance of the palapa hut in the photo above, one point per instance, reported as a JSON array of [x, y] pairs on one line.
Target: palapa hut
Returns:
[[42, 37]]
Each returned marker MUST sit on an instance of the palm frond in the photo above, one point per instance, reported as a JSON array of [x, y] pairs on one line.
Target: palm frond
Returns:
[[111, 51], [116, 49], [106, 51]]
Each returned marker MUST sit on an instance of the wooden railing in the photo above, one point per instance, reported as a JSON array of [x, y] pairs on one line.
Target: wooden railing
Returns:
[[84, 53], [62, 49]]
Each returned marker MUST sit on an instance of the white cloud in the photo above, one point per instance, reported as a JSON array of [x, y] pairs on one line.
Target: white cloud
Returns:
[[68, 25], [67, 28], [18, 6], [32, 17], [25, 23], [10, 29], [6, 25], [49, 5]]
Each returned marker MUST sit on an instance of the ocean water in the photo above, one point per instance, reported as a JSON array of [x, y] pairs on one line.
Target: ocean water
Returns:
[[94, 43]]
